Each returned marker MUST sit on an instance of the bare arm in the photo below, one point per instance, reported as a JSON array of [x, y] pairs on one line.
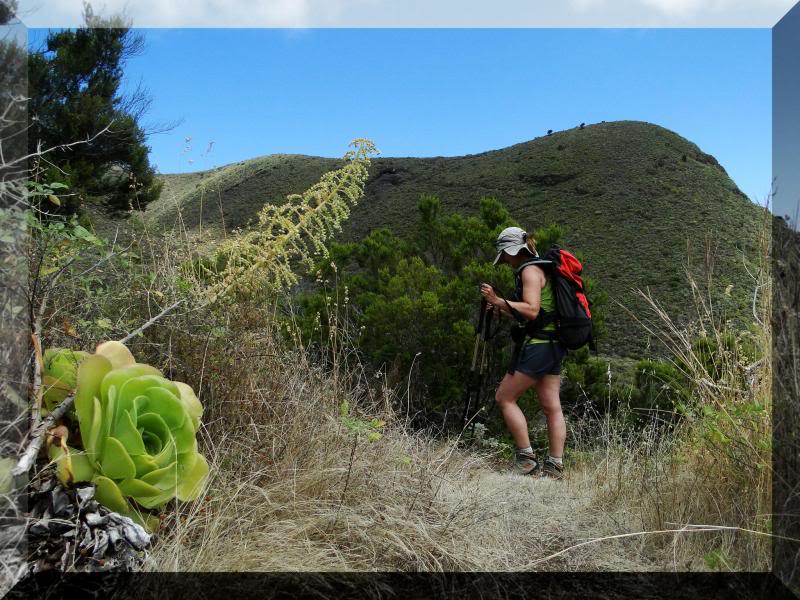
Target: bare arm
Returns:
[[533, 279]]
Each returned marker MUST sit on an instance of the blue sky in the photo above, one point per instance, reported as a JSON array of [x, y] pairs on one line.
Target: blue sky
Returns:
[[431, 92]]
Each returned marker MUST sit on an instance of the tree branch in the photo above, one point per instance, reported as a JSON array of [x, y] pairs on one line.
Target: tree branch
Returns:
[[131, 335], [38, 434]]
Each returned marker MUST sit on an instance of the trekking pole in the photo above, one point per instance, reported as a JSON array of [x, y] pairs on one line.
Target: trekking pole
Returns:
[[471, 380], [490, 363], [484, 358], [487, 411]]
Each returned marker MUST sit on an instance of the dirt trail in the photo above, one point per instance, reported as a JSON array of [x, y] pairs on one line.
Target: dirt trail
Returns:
[[442, 509], [525, 520]]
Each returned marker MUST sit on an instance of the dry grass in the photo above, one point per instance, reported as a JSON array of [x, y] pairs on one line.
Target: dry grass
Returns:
[[715, 467], [295, 490]]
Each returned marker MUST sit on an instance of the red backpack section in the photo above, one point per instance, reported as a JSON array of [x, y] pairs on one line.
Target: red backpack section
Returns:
[[570, 268]]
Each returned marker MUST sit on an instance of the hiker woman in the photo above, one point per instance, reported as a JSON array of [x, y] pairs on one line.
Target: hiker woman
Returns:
[[537, 362]]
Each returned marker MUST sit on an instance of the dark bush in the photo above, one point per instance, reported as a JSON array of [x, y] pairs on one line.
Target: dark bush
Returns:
[[659, 385]]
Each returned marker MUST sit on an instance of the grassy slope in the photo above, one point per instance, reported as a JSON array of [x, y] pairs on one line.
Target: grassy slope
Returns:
[[623, 191]]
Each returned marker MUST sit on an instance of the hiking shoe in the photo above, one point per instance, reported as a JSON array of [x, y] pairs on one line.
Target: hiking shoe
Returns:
[[552, 469], [525, 464]]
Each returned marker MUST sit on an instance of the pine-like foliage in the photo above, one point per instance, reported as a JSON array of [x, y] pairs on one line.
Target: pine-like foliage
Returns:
[[75, 86], [266, 258]]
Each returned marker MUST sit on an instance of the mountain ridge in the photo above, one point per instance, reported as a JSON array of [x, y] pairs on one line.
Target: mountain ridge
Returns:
[[636, 198]]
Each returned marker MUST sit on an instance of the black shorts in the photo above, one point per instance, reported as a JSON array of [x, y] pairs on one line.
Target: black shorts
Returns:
[[540, 359]]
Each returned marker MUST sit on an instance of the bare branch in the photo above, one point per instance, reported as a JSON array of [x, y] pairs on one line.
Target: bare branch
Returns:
[[38, 435], [131, 335], [685, 529], [40, 152]]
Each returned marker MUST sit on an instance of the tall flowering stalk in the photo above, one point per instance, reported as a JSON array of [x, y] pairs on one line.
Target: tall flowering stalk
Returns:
[[264, 259]]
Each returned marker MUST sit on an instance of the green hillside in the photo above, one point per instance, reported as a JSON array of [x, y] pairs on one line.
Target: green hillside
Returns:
[[632, 196]]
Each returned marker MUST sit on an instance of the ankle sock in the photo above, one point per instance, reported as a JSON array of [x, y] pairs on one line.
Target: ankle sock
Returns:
[[555, 459], [527, 450]]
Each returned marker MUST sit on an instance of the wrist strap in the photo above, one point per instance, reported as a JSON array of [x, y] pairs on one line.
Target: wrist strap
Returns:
[[514, 312]]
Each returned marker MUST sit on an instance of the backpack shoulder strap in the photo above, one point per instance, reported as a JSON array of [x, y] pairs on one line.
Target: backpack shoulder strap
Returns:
[[542, 319], [534, 261]]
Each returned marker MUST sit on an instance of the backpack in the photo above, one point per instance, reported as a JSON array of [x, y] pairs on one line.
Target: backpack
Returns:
[[573, 317]]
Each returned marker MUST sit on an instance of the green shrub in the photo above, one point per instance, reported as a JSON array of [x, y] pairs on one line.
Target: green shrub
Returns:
[[412, 306], [717, 353], [659, 385]]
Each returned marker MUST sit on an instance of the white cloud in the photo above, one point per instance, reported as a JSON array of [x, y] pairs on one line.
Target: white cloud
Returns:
[[680, 8], [703, 10], [281, 13], [583, 5], [419, 13], [687, 8], [190, 13]]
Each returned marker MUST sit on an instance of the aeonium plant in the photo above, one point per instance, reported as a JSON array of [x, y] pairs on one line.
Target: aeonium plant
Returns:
[[58, 378], [138, 431]]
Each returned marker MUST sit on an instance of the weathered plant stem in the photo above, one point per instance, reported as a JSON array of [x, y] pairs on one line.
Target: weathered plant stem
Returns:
[[133, 334], [38, 435]]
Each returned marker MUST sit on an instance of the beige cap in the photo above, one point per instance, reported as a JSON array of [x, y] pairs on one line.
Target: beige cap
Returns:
[[510, 240]]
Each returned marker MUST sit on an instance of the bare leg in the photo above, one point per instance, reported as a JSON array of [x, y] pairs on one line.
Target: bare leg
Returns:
[[547, 388], [508, 392]]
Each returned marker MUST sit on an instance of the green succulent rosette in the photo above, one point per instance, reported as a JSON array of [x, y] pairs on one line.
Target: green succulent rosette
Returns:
[[59, 375], [6, 478], [139, 435]]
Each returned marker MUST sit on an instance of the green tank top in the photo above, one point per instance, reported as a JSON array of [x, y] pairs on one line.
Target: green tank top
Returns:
[[548, 304]]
